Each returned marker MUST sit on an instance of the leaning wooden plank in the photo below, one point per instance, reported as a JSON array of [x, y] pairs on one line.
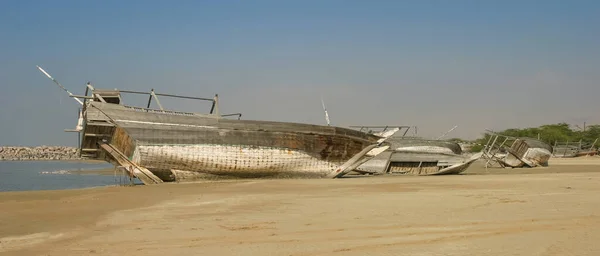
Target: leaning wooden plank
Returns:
[[141, 173], [364, 155], [138, 170]]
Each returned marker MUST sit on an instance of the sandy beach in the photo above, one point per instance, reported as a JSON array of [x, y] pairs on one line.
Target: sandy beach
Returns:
[[542, 211]]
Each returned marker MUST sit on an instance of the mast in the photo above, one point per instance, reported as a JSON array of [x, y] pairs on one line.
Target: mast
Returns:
[[446, 133], [325, 109], [59, 85]]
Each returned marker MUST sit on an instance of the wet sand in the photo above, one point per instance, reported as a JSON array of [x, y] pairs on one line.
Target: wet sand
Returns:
[[541, 211]]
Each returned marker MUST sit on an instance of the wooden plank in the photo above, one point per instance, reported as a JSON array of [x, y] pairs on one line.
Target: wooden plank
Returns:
[[146, 176], [100, 124], [97, 135], [156, 98], [99, 97]]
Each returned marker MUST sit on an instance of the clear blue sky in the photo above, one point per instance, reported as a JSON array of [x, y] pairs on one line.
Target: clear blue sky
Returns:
[[434, 64]]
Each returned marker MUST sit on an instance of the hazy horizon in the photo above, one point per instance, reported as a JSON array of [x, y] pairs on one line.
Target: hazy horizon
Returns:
[[431, 64]]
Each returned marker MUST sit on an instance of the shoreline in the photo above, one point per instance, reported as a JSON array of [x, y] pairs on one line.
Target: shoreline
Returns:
[[81, 160], [560, 165], [376, 215]]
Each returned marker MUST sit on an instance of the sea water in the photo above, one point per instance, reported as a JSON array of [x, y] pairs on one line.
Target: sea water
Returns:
[[51, 175]]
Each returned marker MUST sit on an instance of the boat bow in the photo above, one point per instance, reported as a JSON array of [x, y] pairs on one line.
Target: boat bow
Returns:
[[365, 155]]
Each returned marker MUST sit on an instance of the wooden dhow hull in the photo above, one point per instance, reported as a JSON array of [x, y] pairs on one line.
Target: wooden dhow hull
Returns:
[[525, 152], [417, 156], [177, 146], [157, 145]]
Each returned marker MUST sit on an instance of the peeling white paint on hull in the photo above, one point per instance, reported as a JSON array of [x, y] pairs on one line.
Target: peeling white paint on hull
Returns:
[[537, 156], [533, 157], [231, 160], [460, 167], [428, 149]]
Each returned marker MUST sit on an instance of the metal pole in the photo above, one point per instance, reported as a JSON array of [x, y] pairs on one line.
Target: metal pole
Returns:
[[57, 83], [150, 99], [212, 108]]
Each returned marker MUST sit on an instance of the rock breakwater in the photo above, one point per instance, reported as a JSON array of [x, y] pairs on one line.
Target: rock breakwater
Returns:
[[38, 153]]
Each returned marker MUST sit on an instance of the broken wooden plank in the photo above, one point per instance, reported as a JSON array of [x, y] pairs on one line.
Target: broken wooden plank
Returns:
[[97, 135], [145, 175], [100, 124]]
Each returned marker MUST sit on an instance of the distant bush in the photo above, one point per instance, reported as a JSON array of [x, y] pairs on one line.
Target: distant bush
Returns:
[[476, 148]]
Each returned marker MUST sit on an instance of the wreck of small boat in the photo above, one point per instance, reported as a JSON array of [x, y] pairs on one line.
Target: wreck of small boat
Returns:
[[574, 149], [522, 152], [417, 156], [158, 145]]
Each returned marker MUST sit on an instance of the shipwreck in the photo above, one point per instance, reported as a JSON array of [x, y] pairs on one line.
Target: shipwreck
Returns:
[[513, 152], [574, 149], [159, 145], [417, 156]]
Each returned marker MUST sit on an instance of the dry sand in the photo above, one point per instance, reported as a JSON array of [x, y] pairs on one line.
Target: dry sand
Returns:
[[544, 211]]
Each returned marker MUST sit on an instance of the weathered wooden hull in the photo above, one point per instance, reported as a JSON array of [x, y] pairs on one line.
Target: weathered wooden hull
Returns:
[[417, 163], [167, 143], [527, 153], [532, 158], [418, 157], [460, 167], [424, 145], [232, 160]]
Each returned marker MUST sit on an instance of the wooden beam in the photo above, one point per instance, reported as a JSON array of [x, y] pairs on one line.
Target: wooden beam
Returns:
[[99, 97], [97, 135], [167, 95], [81, 96], [100, 124], [145, 175]]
